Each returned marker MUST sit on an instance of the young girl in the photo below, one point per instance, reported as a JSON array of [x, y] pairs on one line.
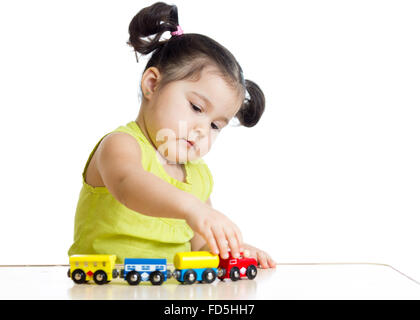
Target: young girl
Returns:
[[146, 190]]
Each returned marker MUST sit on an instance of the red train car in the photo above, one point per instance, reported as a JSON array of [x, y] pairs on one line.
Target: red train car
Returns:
[[237, 268]]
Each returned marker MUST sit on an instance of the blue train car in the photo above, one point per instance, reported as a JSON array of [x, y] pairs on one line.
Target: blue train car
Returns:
[[153, 270]]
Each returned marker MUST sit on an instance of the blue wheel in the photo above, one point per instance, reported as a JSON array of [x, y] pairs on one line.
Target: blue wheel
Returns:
[[133, 278], [190, 276], [156, 278], [209, 275]]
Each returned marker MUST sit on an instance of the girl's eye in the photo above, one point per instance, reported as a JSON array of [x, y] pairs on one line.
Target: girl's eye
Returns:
[[195, 108], [214, 126]]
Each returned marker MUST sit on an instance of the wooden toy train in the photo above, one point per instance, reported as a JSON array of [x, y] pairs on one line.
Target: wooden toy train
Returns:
[[190, 267]]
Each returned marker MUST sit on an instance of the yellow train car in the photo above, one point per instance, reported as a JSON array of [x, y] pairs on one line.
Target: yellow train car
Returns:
[[196, 266], [97, 267], [195, 260]]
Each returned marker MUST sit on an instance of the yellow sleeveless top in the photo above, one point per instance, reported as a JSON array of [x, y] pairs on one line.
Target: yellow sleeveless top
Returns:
[[105, 226]]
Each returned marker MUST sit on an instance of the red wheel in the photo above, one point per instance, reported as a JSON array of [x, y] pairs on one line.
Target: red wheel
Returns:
[[221, 273], [234, 274], [251, 272]]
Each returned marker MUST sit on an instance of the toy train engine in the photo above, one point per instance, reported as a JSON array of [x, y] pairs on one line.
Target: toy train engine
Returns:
[[237, 268], [195, 266], [137, 270], [97, 267]]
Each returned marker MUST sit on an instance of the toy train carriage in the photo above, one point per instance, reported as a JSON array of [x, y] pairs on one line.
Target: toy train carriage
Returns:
[[97, 267], [153, 270], [237, 268], [195, 266]]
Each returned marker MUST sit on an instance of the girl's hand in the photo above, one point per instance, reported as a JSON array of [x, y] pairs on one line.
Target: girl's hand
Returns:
[[219, 232], [263, 259]]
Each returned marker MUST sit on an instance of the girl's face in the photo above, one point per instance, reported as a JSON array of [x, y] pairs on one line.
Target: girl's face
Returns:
[[184, 118]]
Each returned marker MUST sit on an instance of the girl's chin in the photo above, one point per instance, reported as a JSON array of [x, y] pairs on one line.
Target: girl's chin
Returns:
[[180, 159]]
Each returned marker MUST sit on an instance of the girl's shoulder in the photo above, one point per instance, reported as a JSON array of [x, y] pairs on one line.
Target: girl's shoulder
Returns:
[[112, 145], [120, 144]]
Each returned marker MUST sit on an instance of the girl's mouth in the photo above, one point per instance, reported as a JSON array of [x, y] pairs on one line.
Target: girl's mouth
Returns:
[[190, 143]]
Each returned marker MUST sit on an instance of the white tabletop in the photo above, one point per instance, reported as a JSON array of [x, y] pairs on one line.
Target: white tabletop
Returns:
[[285, 282]]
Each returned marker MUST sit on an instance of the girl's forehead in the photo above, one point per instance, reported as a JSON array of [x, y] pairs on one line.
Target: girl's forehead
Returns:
[[212, 86]]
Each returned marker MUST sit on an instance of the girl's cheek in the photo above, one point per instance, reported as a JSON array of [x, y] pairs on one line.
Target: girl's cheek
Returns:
[[205, 147], [213, 136]]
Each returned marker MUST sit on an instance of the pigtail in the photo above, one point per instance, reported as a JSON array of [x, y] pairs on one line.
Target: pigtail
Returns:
[[153, 20], [253, 107]]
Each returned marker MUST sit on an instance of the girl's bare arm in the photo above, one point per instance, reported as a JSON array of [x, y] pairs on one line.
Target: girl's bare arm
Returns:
[[119, 163]]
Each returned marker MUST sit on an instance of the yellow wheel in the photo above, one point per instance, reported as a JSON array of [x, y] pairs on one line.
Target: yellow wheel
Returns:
[[78, 276], [100, 277]]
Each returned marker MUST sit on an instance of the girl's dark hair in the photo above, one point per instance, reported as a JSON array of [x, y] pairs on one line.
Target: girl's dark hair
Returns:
[[185, 56]]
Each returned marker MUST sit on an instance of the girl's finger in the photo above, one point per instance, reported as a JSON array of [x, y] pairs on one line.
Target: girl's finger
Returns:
[[271, 262], [222, 243], [238, 236], [211, 242], [262, 259], [233, 244]]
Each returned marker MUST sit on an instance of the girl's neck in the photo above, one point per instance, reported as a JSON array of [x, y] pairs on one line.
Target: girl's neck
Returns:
[[142, 126]]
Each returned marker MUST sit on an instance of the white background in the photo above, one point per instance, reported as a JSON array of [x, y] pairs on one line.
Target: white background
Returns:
[[330, 174]]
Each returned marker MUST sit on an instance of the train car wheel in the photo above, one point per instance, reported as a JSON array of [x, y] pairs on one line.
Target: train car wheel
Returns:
[[209, 275], [78, 276], [190, 277], [251, 272], [221, 273], [100, 277], [133, 278], [234, 274], [156, 278]]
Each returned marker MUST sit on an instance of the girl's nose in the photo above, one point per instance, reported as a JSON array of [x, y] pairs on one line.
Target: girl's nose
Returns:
[[200, 131]]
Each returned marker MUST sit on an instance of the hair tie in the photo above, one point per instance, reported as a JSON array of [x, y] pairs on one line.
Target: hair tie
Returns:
[[178, 31]]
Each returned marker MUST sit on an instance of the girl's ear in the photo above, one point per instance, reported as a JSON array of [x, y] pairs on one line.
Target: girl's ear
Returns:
[[149, 82]]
